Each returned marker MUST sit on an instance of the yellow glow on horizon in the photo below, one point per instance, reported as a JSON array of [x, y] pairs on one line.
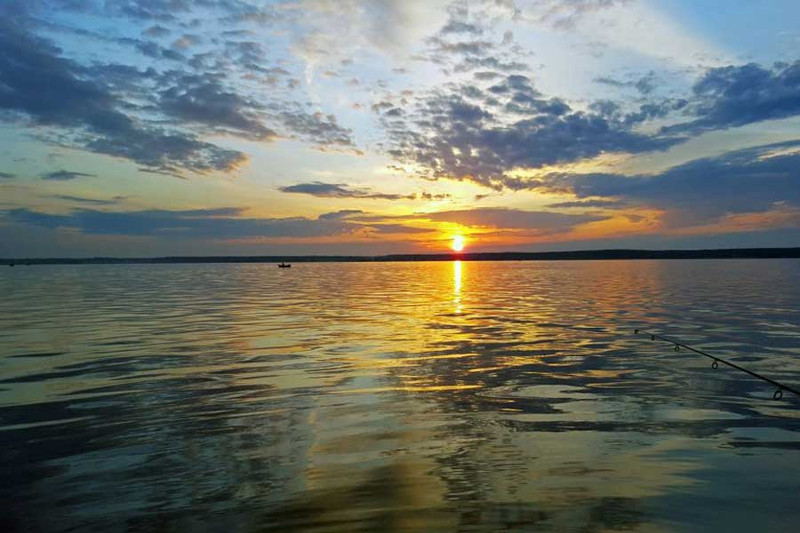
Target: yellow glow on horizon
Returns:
[[458, 243]]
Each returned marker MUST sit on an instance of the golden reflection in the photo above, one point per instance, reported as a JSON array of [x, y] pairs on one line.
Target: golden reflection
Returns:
[[457, 286]]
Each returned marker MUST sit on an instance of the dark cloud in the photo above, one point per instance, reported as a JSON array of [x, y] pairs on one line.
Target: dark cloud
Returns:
[[645, 84], [341, 190], [442, 47], [397, 229], [432, 196], [65, 175], [382, 106], [737, 95], [250, 55], [342, 213], [199, 100], [51, 90], [589, 203], [456, 27], [487, 75], [172, 10], [48, 88], [91, 201], [754, 180], [319, 128], [465, 133], [650, 110], [654, 110], [489, 62], [164, 10], [119, 110], [153, 50], [221, 223], [167, 152], [237, 33]]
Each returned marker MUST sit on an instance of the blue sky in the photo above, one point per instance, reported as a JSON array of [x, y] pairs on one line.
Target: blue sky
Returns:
[[159, 127]]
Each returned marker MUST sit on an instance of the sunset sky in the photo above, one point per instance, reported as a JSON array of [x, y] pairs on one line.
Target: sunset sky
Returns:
[[213, 127]]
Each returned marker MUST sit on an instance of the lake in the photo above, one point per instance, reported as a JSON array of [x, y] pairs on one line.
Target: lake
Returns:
[[441, 396]]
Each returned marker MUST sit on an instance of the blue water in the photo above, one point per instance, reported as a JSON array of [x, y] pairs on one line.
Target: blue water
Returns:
[[464, 396]]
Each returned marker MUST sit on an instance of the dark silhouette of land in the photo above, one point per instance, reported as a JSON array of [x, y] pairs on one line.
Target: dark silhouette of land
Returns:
[[728, 253]]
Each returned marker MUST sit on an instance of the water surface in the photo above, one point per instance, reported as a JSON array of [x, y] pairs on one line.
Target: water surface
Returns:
[[466, 396]]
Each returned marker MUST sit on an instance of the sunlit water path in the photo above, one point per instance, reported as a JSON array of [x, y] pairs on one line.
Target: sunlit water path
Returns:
[[460, 396]]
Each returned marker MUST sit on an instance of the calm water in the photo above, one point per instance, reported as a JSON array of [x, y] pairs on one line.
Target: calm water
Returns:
[[398, 397]]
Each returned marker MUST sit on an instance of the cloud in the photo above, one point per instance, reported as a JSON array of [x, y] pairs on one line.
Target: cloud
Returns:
[[737, 95], [487, 75], [543, 222], [504, 221], [54, 91], [172, 10], [156, 31], [753, 180], [168, 152], [219, 223], [187, 40], [467, 48], [7, 175], [211, 224], [251, 55], [341, 190], [467, 133], [83, 200], [65, 175], [326, 30], [483, 131], [459, 27], [589, 203], [154, 50], [565, 14], [469, 64], [460, 44], [632, 26], [390, 229], [319, 128], [197, 99], [342, 213], [644, 84]]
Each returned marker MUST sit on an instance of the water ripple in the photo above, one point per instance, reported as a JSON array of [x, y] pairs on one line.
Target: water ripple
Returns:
[[398, 397]]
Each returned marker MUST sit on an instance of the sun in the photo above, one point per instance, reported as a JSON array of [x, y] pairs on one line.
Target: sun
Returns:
[[458, 243]]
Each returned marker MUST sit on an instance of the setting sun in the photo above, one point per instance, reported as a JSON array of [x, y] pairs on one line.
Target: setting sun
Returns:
[[458, 243]]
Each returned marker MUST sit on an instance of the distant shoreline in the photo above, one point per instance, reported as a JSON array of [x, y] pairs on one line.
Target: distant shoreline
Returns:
[[582, 255]]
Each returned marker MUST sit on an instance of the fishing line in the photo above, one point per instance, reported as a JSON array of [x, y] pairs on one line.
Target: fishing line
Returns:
[[716, 360]]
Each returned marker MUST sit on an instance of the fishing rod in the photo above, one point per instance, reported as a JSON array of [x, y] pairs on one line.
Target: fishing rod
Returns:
[[716, 360]]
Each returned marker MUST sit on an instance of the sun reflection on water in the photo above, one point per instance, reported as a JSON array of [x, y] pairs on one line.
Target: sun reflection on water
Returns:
[[457, 286]]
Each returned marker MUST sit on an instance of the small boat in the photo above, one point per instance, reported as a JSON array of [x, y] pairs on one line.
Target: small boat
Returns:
[[284, 265]]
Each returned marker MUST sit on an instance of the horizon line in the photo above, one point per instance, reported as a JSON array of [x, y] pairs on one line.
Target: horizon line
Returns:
[[588, 254]]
